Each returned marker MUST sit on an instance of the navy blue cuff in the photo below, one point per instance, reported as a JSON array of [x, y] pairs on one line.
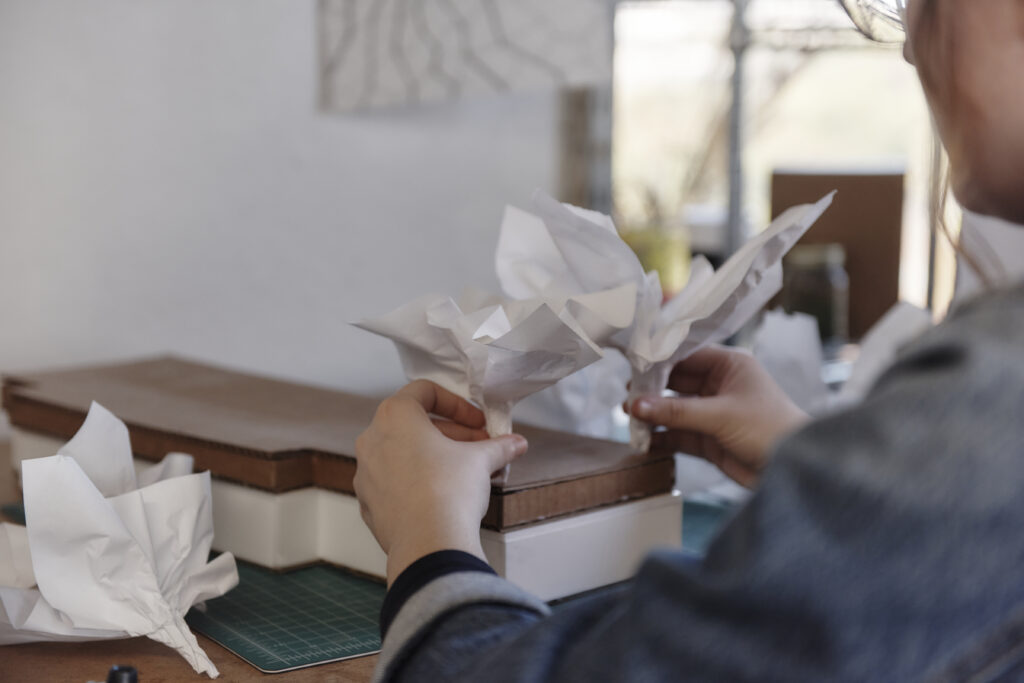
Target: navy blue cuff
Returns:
[[420, 573]]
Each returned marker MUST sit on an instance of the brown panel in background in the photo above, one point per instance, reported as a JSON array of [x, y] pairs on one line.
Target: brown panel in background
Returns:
[[574, 152], [866, 218]]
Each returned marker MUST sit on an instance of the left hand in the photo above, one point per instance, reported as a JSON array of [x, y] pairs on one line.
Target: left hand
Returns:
[[730, 412], [424, 485]]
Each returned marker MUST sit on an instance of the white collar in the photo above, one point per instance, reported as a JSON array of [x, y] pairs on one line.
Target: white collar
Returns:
[[997, 247]]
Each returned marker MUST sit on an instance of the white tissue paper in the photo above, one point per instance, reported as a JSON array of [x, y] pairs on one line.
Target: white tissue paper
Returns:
[[788, 347], [901, 324], [582, 403], [102, 558], [557, 247], [496, 351]]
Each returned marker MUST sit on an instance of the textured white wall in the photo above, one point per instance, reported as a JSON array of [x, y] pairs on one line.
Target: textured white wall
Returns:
[[167, 184]]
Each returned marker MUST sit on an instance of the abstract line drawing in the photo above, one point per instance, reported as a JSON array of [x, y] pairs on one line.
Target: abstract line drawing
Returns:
[[381, 54]]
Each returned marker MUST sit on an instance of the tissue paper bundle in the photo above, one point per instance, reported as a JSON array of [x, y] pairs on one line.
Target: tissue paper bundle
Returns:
[[109, 559], [567, 249], [901, 324], [583, 402], [789, 348], [496, 351]]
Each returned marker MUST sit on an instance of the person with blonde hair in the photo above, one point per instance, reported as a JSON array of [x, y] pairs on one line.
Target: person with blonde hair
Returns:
[[882, 543]]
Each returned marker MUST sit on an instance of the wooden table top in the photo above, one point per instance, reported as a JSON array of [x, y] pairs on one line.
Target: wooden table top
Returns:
[[156, 663]]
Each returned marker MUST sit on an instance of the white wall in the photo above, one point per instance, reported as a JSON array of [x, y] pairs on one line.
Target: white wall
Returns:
[[167, 184]]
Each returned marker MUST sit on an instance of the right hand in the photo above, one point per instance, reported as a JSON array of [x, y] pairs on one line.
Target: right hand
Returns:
[[424, 484], [730, 412]]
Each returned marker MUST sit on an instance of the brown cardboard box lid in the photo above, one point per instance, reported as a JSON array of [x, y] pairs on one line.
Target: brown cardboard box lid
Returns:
[[279, 435]]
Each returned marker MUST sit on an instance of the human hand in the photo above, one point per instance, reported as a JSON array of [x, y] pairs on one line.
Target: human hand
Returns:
[[730, 412], [424, 484]]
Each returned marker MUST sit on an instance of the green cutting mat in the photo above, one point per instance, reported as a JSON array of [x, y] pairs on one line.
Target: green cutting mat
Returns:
[[701, 523], [278, 622]]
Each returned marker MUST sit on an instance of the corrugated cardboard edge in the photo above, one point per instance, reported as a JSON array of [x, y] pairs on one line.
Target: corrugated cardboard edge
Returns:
[[577, 495]]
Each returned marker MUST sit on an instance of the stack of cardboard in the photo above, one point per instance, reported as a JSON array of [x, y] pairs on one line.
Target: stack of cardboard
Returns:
[[574, 513]]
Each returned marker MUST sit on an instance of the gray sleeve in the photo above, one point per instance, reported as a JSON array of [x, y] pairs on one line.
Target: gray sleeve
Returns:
[[440, 599]]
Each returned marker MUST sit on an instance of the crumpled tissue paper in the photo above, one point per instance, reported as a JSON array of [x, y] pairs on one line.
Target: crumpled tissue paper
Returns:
[[105, 555], [901, 324], [584, 402], [788, 346], [567, 249], [496, 351]]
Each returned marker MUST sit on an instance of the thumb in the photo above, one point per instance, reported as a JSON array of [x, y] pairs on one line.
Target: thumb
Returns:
[[501, 450], [697, 414]]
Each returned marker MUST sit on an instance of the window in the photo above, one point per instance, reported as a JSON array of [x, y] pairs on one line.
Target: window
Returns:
[[816, 95]]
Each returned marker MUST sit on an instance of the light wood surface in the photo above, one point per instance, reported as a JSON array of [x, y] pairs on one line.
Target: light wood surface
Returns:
[[156, 663]]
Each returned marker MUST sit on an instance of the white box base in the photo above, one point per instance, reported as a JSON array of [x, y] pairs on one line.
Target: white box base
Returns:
[[586, 551], [550, 559]]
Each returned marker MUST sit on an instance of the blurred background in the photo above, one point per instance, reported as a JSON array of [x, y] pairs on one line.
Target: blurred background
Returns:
[[238, 180]]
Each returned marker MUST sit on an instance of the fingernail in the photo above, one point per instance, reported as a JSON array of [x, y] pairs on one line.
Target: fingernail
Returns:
[[643, 407], [517, 442]]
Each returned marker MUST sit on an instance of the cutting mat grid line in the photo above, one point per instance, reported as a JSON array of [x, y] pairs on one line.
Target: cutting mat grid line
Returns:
[[278, 622]]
